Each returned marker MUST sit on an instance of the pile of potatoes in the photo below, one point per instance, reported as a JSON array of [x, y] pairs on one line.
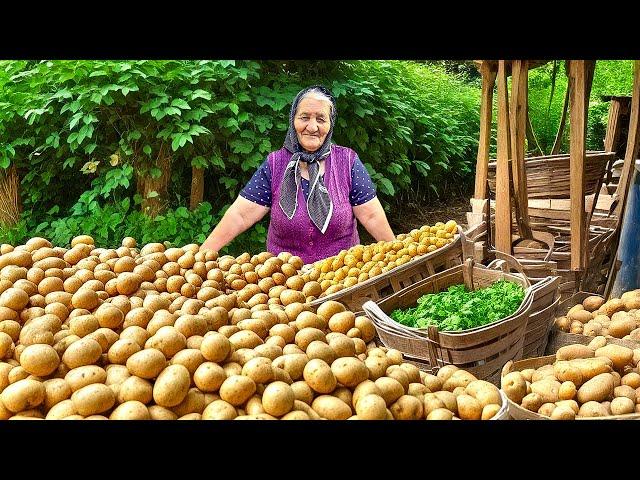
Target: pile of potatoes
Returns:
[[617, 317], [164, 333], [360, 263], [594, 380]]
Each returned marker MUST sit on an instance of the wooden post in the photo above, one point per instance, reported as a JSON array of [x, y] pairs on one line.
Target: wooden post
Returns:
[[503, 198], [613, 134], [197, 187], [580, 77], [613, 125], [518, 126], [482, 162], [631, 153]]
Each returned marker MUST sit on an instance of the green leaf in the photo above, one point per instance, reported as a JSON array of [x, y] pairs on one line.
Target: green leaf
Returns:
[[180, 103], [217, 161], [153, 194], [147, 149], [182, 212], [4, 162], [386, 186], [88, 149], [234, 108], [200, 94], [175, 144]]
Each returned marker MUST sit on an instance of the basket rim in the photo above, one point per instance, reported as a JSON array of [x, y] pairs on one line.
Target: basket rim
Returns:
[[522, 309], [549, 359]]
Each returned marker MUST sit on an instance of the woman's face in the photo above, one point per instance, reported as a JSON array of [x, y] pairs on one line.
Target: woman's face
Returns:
[[312, 123]]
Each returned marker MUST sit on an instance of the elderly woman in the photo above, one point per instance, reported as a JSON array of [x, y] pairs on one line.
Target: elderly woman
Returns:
[[315, 190]]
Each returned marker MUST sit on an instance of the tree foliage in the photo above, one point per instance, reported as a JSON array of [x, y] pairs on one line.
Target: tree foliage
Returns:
[[86, 136]]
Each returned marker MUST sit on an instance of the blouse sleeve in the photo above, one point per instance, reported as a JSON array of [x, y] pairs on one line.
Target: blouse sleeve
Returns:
[[258, 189], [362, 187]]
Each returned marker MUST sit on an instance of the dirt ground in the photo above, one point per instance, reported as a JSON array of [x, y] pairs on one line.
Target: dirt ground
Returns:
[[414, 216]]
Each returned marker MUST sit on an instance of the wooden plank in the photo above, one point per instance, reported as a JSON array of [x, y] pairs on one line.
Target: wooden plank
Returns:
[[503, 198], [486, 107], [631, 152], [578, 80], [613, 125], [518, 125]]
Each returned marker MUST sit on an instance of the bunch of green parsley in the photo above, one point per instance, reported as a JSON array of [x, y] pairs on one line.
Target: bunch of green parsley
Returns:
[[460, 309]]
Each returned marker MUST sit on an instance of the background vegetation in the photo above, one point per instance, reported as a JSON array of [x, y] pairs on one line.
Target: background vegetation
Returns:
[[158, 150]]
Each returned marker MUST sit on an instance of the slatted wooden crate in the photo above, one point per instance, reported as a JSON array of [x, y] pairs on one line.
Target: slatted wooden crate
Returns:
[[386, 284], [482, 350]]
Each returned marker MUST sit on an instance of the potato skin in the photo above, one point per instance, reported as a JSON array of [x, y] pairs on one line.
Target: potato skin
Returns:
[[598, 389]]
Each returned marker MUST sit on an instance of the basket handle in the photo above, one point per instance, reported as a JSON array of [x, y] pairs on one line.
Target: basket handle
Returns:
[[505, 262], [467, 273], [468, 246], [433, 340], [372, 309]]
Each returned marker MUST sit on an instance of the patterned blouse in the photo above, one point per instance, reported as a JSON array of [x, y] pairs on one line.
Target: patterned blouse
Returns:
[[258, 189]]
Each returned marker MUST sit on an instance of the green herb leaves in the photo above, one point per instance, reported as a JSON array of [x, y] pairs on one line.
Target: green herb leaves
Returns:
[[459, 309]]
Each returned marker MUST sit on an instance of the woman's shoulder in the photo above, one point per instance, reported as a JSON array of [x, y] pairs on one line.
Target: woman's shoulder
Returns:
[[344, 151]]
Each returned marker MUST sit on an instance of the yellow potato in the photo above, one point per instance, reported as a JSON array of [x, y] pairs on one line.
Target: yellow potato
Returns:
[[278, 398], [93, 399], [319, 376], [171, 386], [331, 408], [23, 394], [597, 389]]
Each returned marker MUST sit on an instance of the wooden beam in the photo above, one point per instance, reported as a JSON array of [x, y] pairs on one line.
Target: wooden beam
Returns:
[[486, 107], [493, 65], [580, 77], [518, 126], [613, 125], [631, 152], [503, 198]]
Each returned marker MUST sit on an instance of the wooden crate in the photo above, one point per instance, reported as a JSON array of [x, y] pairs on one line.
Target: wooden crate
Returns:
[[517, 412], [386, 284], [481, 350], [545, 293]]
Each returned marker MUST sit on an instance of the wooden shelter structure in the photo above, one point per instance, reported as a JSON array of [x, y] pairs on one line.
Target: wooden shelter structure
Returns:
[[558, 214]]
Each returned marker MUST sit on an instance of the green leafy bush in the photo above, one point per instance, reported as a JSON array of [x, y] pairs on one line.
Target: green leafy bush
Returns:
[[611, 77], [99, 143]]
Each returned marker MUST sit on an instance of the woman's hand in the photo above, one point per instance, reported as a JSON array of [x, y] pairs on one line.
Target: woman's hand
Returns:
[[371, 215], [240, 216]]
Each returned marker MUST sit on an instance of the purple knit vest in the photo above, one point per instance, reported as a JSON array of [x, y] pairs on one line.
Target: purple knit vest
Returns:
[[299, 235]]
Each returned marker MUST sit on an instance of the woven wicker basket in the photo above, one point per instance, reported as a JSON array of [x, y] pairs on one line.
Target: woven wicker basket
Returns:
[[544, 305], [518, 412], [558, 338], [549, 176], [481, 350], [383, 285]]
